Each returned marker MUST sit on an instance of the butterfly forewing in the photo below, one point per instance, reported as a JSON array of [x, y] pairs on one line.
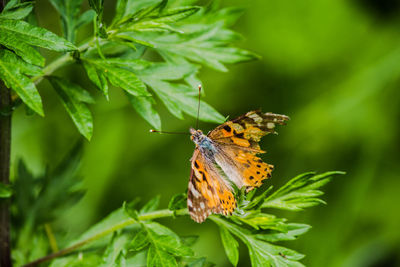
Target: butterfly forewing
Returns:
[[208, 191], [248, 129]]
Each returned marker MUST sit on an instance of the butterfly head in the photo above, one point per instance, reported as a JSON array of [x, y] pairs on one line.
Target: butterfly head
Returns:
[[196, 135]]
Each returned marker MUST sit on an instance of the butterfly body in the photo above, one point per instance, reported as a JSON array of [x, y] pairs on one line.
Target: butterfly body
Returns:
[[204, 143], [226, 156]]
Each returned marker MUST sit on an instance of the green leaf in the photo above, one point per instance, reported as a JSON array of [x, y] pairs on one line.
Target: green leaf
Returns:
[[26, 52], [176, 14], [126, 80], [10, 73], [165, 239], [261, 252], [24, 67], [144, 106], [292, 231], [208, 54], [97, 5], [189, 240], [24, 196], [129, 40], [116, 251], [138, 260], [152, 205], [177, 97], [147, 8], [97, 77], [231, 246], [139, 7], [177, 202], [69, 11], [88, 260], [41, 198], [5, 191], [140, 240], [182, 98], [120, 77], [300, 192], [265, 254], [109, 221], [130, 209], [18, 11], [172, 245], [11, 4], [85, 18], [159, 258], [119, 10], [164, 244], [73, 98], [36, 36]]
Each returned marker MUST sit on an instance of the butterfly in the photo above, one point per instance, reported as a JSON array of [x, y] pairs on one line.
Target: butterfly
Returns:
[[228, 155]]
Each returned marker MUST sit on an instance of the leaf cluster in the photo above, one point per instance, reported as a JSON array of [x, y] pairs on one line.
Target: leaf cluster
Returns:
[[129, 236], [39, 199], [258, 230], [184, 35]]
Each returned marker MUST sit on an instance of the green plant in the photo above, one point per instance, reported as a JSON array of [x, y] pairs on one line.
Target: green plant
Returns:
[[129, 236], [152, 50]]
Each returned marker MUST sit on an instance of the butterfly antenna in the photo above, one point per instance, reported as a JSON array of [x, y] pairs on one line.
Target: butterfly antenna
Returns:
[[163, 132], [198, 108]]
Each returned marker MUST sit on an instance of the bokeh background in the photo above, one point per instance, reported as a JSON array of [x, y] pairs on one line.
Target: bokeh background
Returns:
[[333, 66]]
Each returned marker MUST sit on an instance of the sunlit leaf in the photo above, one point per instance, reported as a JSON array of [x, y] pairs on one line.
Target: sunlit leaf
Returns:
[[140, 240], [121, 78], [115, 251], [300, 192], [25, 51], [10, 73], [24, 32], [18, 11], [159, 258]]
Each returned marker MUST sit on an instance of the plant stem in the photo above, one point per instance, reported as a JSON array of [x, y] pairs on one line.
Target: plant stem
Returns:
[[5, 141], [144, 217], [5, 146], [59, 62]]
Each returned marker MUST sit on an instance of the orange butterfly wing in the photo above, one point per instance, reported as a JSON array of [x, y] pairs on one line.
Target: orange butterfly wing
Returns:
[[238, 140], [208, 192], [237, 143]]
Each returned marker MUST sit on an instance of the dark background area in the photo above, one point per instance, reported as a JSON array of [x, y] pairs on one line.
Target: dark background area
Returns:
[[333, 66]]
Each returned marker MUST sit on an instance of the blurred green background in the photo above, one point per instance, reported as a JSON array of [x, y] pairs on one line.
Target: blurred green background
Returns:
[[333, 66]]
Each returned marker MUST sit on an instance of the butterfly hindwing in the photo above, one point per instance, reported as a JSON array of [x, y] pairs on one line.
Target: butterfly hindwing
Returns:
[[208, 192], [243, 167], [238, 145]]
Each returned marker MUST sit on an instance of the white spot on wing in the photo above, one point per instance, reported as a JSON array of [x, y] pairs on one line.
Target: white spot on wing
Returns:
[[255, 117], [270, 125], [202, 205]]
